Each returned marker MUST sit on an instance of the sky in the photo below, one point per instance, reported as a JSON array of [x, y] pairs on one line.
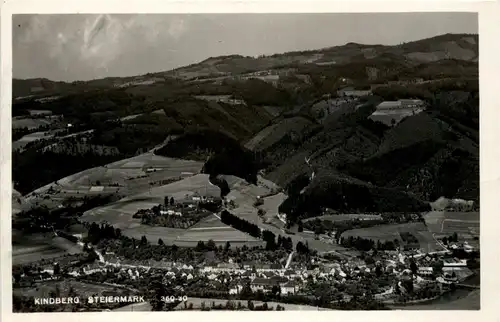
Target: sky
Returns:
[[71, 47]]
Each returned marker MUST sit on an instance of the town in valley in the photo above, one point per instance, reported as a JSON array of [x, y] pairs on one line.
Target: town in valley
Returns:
[[339, 178]]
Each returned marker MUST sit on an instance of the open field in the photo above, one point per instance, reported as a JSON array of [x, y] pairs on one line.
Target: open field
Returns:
[[344, 217], [444, 223], [130, 117], [129, 174], [22, 142], [17, 201], [168, 235], [82, 290], [27, 249], [208, 302], [245, 195], [271, 204], [391, 232], [273, 133], [209, 222], [190, 238], [120, 213], [161, 112], [135, 307], [221, 234], [386, 116], [30, 123]]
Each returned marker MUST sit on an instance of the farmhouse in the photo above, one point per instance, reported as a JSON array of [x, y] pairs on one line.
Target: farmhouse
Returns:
[[352, 92], [262, 284], [450, 277], [289, 288], [410, 242], [425, 271], [235, 288], [170, 212], [454, 262]]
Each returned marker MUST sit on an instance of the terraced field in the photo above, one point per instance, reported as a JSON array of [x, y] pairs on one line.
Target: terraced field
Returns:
[[444, 223], [83, 290], [30, 123], [120, 213], [128, 177], [22, 142], [345, 217], [27, 249]]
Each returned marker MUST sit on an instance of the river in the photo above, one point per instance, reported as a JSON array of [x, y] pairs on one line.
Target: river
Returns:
[[460, 299]]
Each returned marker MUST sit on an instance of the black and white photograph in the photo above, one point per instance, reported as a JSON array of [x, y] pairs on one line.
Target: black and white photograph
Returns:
[[245, 162]]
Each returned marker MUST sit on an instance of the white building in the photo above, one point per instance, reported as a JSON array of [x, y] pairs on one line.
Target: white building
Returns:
[[425, 271], [455, 262], [289, 288]]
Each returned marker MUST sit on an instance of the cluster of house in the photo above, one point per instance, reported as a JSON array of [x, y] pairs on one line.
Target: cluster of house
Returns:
[[179, 208], [462, 246], [453, 269], [400, 104], [393, 112]]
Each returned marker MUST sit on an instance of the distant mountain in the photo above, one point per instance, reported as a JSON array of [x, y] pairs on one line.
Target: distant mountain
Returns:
[[457, 47], [449, 46]]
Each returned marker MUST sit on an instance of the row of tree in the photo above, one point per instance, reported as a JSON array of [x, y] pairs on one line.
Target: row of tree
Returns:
[[243, 225], [364, 244]]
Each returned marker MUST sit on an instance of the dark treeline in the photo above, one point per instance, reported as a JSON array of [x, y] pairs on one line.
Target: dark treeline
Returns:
[[241, 224], [272, 242], [364, 244], [319, 226], [223, 154], [33, 169], [345, 196], [18, 133], [97, 232], [40, 219]]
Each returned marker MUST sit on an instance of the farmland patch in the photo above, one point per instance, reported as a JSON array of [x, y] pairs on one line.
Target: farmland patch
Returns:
[[392, 232]]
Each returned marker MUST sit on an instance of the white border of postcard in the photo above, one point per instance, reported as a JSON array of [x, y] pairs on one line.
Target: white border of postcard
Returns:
[[489, 22]]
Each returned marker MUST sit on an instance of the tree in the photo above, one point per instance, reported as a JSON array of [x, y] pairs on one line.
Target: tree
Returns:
[[160, 242], [144, 240], [437, 267], [211, 245], [57, 269], [455, 237], [228, 246], [200, 246], [172, 201], [165, 201], [413, 267], [71, 292]]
